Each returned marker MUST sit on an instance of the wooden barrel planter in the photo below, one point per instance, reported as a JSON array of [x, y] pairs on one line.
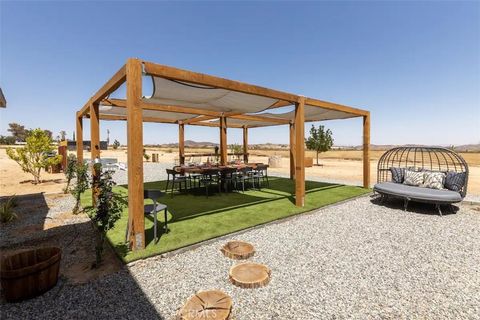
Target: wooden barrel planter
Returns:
[[30, 273]]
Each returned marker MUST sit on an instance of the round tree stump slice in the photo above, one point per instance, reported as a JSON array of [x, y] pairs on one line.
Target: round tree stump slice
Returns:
[[238, 250], [211, 305], [249, 275]]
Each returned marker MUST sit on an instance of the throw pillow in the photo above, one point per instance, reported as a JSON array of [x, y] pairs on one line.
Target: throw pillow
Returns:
[[413, 178], [433, 179], [455, 180], [398, 174]]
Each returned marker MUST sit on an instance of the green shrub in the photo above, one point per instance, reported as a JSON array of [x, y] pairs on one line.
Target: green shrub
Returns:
[[7, 213], [107, 209], [35, 155], [70, 171], [81, 184]]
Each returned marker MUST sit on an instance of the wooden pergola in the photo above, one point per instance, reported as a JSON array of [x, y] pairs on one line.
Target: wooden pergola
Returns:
[[183, 97]]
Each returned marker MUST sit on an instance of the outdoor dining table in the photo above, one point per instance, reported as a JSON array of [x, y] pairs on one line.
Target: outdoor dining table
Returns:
[[209, 168]]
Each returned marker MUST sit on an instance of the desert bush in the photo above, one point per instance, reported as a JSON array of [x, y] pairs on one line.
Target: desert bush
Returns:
[[35, 155], [7, 213]]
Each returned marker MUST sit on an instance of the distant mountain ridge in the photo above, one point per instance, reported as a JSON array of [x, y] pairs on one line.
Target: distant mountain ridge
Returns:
[[208, 144]]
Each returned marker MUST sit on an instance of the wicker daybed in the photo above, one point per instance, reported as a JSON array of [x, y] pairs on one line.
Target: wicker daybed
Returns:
[[422, 174]]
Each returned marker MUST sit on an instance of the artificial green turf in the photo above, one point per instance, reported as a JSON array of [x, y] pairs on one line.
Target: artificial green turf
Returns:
[[193, 217]]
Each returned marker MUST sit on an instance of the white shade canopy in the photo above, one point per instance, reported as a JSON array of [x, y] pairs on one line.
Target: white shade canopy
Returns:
[[180, 93]]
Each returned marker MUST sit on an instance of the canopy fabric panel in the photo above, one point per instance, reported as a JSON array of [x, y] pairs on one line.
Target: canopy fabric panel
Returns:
[[172, 92], [119, 111], [312, 113]]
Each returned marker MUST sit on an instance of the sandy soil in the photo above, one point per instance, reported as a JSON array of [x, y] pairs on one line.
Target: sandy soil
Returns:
[[341, 166]]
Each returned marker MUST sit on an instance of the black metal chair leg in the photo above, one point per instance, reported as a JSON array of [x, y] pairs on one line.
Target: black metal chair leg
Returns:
[[166, 218], [155, 221], [439, 210]]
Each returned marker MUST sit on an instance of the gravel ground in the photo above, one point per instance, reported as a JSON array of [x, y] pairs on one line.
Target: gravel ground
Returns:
[[152, 171], [355, 260]]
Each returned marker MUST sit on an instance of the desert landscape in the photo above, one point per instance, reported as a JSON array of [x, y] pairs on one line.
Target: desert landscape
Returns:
[[339, 166]]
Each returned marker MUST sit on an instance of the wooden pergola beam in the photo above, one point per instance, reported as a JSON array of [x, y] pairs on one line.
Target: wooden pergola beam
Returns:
[[110, 86], [245, 144], [113, 117], [162, 107], [181, 143], [199, 119], [260, 118], [300, 153], [335, 107], [136, 217], [292, 150], [79, 137], [94, 147], [280, 104], [366, 150], [223, 141], [163, 71]]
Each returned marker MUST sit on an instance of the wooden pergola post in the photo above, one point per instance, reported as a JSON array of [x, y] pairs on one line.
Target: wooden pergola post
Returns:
[[136, 217], [94, 147], [245, 144], [366, 150], [300, 152], [181, 143], [79, 137], [223, 141], [292, 150]]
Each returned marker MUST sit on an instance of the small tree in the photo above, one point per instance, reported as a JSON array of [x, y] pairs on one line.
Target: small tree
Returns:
[[70, 171], [18, 131], [35, 155], [236, 149], [116, 144], [106, 211], [319, 140], [81, 184]]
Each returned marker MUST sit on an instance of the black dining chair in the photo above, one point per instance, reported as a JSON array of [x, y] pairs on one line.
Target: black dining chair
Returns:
[[260, 175], [209, 177], [153, 209], [228, 177], [175, 178], [244, 174]]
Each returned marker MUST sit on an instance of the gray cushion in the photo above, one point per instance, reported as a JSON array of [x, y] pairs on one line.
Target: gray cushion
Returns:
[[455, 180], [417, 193], [398, 174]]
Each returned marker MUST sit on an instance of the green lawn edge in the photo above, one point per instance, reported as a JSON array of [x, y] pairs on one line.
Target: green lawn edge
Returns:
[[194, 218]]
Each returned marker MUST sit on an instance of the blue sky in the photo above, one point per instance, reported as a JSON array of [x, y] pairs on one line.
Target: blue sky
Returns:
[[414, 65]]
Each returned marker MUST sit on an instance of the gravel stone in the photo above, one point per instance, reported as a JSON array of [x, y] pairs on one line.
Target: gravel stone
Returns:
[[355, 260]]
